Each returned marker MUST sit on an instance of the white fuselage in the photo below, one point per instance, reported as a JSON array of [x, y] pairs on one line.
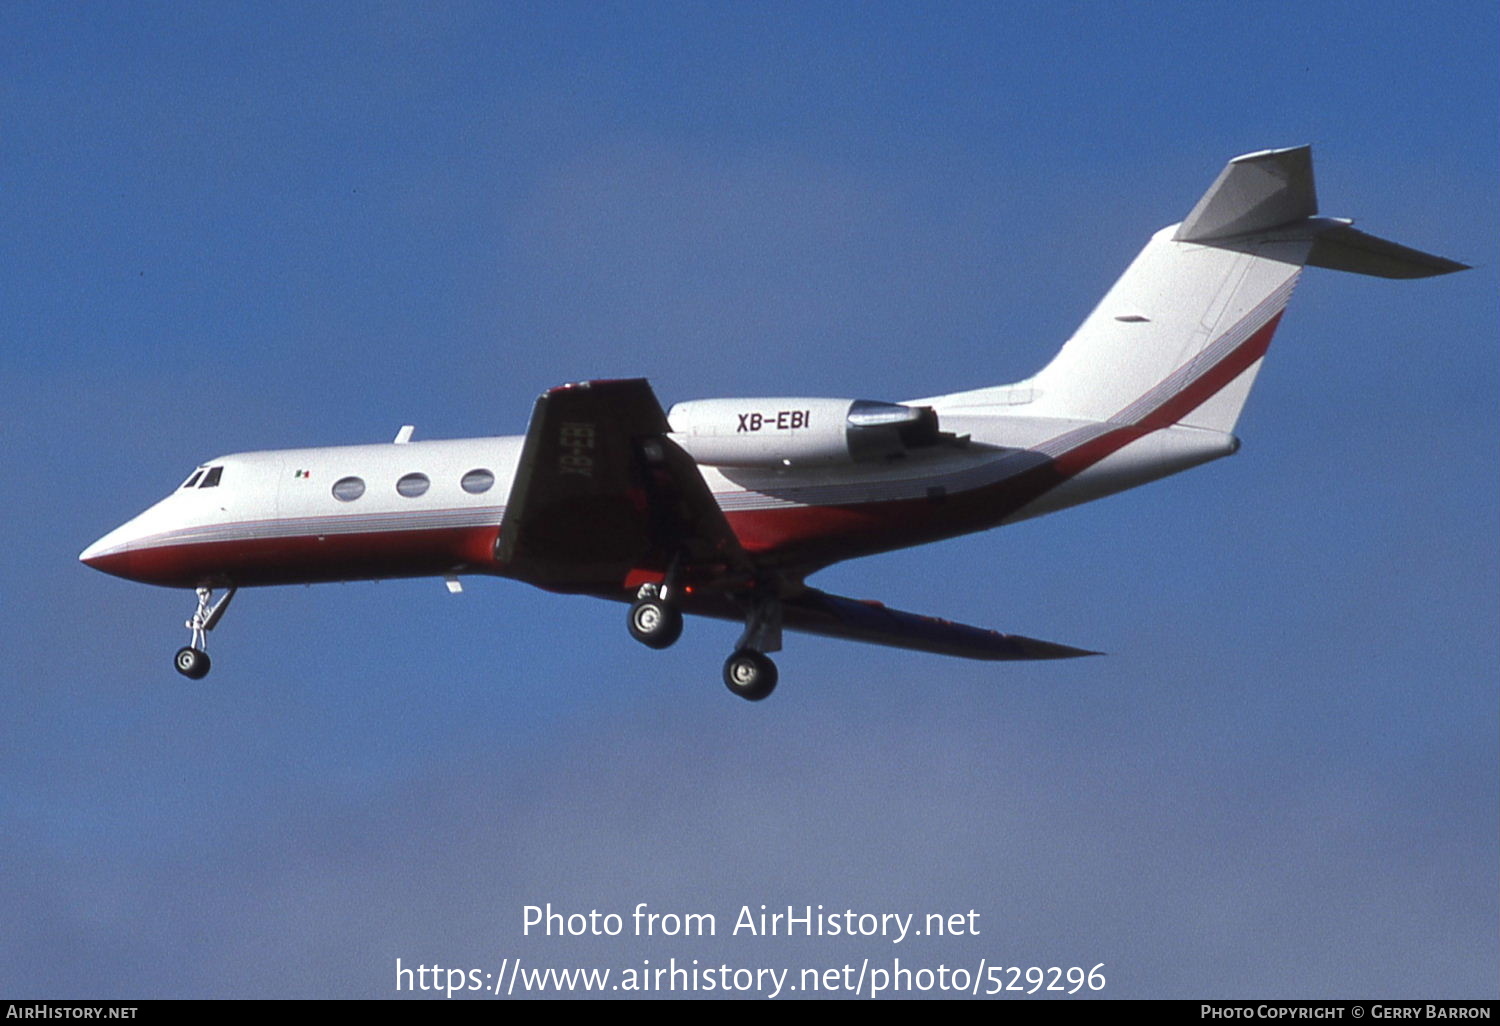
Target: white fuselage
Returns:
[[276, 516]]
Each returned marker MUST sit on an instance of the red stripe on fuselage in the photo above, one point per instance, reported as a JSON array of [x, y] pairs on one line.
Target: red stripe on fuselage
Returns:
[[309, 558]]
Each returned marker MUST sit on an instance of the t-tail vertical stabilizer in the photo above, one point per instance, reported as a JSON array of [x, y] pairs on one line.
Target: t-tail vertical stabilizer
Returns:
[[1179, 337]]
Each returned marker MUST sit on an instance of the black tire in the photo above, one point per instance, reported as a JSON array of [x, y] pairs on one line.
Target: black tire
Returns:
[[750, 674], [192, 663], [654, 623]]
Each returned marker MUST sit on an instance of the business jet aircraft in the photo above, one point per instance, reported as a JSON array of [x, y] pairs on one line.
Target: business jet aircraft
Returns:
[[723, 507]]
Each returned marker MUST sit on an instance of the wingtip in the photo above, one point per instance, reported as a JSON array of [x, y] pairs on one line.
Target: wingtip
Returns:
[[1035, 648], [1056, 651]]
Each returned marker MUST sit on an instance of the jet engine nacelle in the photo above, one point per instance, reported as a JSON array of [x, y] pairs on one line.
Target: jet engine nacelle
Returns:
[[800, 432]]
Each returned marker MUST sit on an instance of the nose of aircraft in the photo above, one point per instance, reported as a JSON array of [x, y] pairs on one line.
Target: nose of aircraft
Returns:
[[124, 552], [149, 548], [111, 553]]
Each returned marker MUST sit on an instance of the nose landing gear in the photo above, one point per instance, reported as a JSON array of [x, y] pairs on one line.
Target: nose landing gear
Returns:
[[192, 663], [192, 660]]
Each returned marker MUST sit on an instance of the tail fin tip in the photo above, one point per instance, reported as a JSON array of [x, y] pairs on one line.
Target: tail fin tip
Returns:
[[1255, 192]]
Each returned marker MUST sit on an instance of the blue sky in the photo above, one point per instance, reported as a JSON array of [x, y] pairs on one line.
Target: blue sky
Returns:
[[235, 227]]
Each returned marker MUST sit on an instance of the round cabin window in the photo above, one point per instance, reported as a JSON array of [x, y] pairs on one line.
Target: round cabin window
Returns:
[[347, 489], [413, 485], [476, 482]]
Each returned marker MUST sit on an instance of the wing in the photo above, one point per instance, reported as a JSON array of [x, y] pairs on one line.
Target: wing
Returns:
[[600, 491], [817, 612]]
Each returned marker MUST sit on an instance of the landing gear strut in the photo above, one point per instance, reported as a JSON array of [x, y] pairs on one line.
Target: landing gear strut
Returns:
[[749, 672], [192, 660]]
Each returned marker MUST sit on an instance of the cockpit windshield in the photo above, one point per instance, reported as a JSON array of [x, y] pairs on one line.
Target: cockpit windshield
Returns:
[[204, 477]]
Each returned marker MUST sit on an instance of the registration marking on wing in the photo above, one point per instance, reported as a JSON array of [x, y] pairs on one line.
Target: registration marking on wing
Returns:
[[575, 441]]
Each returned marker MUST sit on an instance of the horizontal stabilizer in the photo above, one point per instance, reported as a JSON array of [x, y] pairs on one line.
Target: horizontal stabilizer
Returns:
[[1343, 248], [817, 612], [1272, 189]]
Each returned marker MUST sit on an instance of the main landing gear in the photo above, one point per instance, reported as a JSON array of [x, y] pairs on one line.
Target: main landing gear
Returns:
[[749, 672], [192, 660], [656, 622]]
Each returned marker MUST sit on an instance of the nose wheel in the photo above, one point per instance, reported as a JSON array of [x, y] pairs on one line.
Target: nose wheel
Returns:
[[192, 663], [192, 660]]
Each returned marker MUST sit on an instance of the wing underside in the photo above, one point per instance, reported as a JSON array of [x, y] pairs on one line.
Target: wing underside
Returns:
[[817, 612], [601, 491]]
